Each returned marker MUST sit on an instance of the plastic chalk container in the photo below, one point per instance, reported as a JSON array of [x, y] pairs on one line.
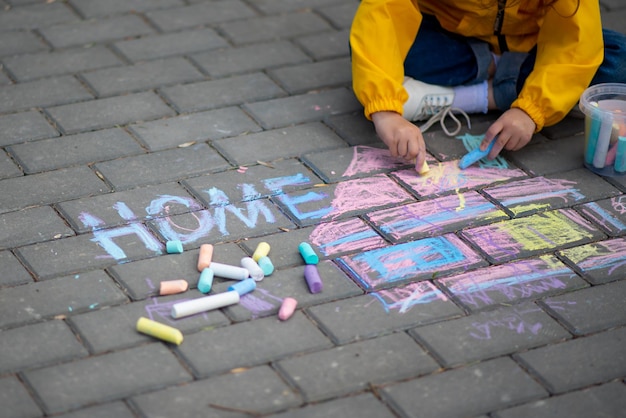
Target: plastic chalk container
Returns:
[[604, 106]]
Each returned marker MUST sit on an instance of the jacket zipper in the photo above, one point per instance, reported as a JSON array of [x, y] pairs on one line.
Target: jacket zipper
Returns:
[[497, 26]]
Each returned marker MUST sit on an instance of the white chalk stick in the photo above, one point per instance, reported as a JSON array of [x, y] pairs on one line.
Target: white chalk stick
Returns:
[[207, 303], [229, 272], [256, 272]]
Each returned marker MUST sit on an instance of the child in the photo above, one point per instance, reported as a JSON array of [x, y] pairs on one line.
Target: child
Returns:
[[416, 60]]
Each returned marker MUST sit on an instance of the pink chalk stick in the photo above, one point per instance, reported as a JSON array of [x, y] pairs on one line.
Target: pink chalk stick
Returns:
[[287, 308]]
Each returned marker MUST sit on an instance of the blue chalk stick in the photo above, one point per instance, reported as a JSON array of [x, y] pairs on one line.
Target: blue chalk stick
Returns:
[[206, 280], [620, 157], [243, 286], [475, 155], [266, 265], [592, 138], [174, 247], [308, 253]]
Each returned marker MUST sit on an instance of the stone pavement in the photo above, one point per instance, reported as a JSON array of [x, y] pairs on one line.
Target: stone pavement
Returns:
[[496, 291]]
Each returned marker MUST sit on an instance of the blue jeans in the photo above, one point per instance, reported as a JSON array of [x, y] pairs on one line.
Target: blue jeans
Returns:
[[446, 59]]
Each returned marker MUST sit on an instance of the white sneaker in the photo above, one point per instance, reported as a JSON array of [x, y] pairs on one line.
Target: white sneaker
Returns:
[[428, 101]]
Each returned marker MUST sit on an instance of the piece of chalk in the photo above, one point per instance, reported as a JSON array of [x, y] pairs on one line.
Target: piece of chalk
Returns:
[[594, 123], [174, 247], [253, 268], [262, 250], [266, 265], [602, 146], [158, 330], [287, 308], [204, 304], [425, 169], [206, 280], [172, 287], [229, 272], [242, 287], [313, 279], [475, 155], [205, 256], [620, 158], [308, 253]]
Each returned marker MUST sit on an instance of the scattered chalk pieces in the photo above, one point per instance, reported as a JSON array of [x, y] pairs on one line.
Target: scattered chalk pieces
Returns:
[[160, 331], [312, 277], [205, 256], [287, 308], [205, 283], [242, 287], [262, 250], [204, 304], [253, 268], [229, 272], [173, 287], [308, 253], [266, 265], [174, 247]]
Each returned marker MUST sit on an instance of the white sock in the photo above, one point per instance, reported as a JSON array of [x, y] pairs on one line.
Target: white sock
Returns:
[[472, 98]]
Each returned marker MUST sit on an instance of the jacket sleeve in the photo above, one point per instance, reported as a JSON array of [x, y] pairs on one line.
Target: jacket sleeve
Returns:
[[381, 35], [569, 51]]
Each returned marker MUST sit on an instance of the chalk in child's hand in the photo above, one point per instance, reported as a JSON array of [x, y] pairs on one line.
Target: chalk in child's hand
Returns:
[[244, 286], [475, 155], [266, 265], [307, 253], [313, 279], [172, 287], [262, 250], [205, 256], [253, 268], [174, 247], [425, 168], [206, 280], [158, 330], [204, 304], [229, 272], [287, 308]]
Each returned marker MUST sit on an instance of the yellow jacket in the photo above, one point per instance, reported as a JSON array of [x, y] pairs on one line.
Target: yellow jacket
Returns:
[[568, 36]]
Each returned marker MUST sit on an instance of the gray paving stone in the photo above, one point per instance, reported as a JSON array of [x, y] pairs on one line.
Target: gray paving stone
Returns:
[[8, 168], [326, 45], [272, 27], [532, 235], [359, 406], [490, 334], [107, 377], [195, 127], [54, 153], [171, 44], [38, 345], [94, 8], [265, 392], [606, 213], [115, 328], [200, 14], [355, 129], [4, 79], [532, 278], [33, 66], [464, 392], [253, 182], [250, 344], [341, 15], [255, 57], [557, 155], [42, 93], [31, 225], [11, 270], [112, 409], [551, 192], [269, 294], [302, 108], [87, 32], [590, 310], [307, 77], [142, 76], [350, 368], [36, 16], [614, 20], [580, 362], [278, 143], [25, 126], [120, 208], [49, 187], [20, 42], [599, 401], [599, 262], [568, 127], [109, 112], [383, 312], [16, 401], [213, 94], [63, 296], [281, 6]]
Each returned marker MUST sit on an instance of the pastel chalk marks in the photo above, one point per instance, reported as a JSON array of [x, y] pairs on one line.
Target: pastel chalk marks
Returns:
[[418, 260], [599, 262], [609, 214], [532, 235], [337, 238]]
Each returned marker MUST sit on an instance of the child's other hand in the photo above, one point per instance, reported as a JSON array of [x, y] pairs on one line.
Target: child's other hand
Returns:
[[402, 137], [514, 129]]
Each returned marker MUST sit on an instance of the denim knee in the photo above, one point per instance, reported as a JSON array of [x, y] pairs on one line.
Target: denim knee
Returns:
[[613, 68], [505, 81]]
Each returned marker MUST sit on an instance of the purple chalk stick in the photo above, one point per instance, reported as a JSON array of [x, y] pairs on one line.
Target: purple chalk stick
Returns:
[[313, 279]]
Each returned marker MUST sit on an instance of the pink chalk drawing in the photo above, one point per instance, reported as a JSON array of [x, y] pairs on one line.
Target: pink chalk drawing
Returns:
[[609, 214], [447, 176], [514, 321], [402, 299], [511, 282], [369, 159], [619, 204], [436, 216], [340, 237]]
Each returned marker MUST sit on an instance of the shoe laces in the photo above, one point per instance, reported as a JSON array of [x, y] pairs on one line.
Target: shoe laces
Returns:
[[440, 113]]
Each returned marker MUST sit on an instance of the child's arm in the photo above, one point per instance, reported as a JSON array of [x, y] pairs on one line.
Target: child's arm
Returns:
[[403, 138]]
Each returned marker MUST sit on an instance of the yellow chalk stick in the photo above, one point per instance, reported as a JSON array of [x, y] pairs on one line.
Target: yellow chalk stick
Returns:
[[160, 331], [425, 169], [262, 250]]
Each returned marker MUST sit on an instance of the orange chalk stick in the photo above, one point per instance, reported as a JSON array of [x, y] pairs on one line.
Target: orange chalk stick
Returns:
[[172, 287], [205, 256]]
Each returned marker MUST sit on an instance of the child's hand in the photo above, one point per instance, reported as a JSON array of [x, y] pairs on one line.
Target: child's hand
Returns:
[[402, 137], [514, 129]]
